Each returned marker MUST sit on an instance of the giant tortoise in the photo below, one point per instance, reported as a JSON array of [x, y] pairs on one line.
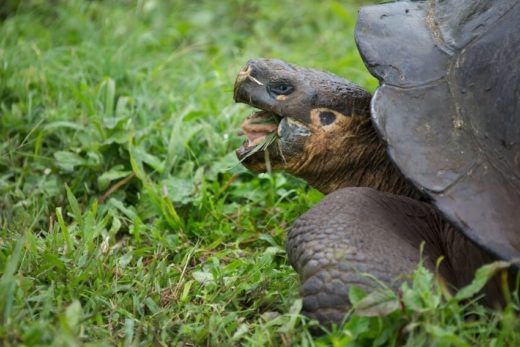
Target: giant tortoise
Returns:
[[433, 156]]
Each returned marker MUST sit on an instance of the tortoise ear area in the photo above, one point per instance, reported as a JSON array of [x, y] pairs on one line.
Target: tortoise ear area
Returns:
[[325, 117]]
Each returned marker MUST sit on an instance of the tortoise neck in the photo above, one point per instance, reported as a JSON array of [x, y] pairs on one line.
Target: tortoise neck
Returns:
[[365, 165]]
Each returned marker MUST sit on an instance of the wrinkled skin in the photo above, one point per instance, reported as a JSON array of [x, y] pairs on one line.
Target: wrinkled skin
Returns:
[[373, 221]]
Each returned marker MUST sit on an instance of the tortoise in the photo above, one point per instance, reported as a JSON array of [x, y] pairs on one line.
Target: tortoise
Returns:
[[432, 157]]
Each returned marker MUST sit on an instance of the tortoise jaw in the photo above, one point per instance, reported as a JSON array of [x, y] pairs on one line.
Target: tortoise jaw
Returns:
[[272, 145], [259, 124]]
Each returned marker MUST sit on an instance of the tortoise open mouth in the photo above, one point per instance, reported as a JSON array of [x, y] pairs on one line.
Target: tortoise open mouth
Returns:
[[261, 130]]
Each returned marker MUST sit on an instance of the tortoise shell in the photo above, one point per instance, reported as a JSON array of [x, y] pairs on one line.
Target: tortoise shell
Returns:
[[448, 107]]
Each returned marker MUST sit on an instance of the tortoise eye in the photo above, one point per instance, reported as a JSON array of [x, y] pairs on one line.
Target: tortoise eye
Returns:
[[281, 89]]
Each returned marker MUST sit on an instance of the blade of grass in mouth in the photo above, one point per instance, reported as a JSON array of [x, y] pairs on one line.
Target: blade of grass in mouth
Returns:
[[262, 146]]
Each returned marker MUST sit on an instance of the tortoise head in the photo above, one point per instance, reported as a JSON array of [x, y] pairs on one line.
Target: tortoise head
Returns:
[[323, 132]]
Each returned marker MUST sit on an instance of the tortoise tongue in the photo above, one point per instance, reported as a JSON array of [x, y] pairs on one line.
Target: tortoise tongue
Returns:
[[258, 125]]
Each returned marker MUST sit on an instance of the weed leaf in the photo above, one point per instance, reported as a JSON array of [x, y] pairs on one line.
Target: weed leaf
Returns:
[[482, 276], [378, 303]]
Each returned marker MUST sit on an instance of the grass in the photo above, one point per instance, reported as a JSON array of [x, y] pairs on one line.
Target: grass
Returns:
[[125, 218]]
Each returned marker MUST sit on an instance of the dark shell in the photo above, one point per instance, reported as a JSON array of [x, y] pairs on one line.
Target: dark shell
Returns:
[[449, 107]]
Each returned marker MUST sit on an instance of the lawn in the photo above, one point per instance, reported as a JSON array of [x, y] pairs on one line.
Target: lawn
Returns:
[[125, 218]]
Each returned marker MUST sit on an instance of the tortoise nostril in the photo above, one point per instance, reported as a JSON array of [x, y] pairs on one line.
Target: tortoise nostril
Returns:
[[246, 73], [246, 70]]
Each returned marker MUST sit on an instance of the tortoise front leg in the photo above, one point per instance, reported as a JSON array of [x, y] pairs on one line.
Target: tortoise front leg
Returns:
[[355, 231]]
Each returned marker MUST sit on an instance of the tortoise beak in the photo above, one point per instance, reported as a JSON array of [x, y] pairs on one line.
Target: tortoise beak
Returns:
[[250, 89]]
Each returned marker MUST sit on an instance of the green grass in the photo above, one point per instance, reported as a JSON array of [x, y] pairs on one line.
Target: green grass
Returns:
[[125, 218]]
